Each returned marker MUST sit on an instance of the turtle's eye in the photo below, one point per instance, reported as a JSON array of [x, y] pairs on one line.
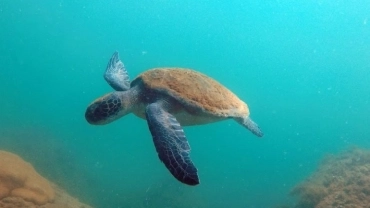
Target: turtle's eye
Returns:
[[103, 110]]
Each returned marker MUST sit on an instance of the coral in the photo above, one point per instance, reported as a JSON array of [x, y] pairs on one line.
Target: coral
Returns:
[[310, 194], [340, 181], [19, 179], [62, 200], [22, 187], [66, 167]]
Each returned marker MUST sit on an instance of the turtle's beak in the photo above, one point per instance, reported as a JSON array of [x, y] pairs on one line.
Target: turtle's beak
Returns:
[[104, 110]]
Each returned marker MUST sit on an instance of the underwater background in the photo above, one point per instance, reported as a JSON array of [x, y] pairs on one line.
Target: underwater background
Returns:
[[303, 67]]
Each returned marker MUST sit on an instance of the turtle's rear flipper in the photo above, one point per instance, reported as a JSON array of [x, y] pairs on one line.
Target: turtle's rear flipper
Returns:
[[248, 123], [171, 144], [116, 74]]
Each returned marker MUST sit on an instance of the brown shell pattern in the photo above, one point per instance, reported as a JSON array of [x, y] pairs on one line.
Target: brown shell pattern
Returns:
[[194, 89]]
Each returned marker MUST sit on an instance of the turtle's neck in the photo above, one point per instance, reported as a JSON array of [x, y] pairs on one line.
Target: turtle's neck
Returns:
[[130, 98]]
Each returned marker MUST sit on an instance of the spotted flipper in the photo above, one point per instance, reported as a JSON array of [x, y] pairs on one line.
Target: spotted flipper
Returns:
[[171, 144], [116, 74]]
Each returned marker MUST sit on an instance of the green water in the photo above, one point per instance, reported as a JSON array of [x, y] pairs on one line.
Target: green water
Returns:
[[303, 67]]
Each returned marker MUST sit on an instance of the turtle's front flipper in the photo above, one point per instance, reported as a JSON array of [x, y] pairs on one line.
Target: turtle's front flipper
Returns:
[[171, 144], [116, 74]]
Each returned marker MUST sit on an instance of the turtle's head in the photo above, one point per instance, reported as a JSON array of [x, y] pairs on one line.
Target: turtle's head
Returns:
[[108, 108]]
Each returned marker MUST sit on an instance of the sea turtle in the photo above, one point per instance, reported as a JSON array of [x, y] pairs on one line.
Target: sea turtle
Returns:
[[169, 98]]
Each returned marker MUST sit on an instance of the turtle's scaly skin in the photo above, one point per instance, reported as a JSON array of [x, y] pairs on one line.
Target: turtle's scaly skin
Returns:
[[193, 90]]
